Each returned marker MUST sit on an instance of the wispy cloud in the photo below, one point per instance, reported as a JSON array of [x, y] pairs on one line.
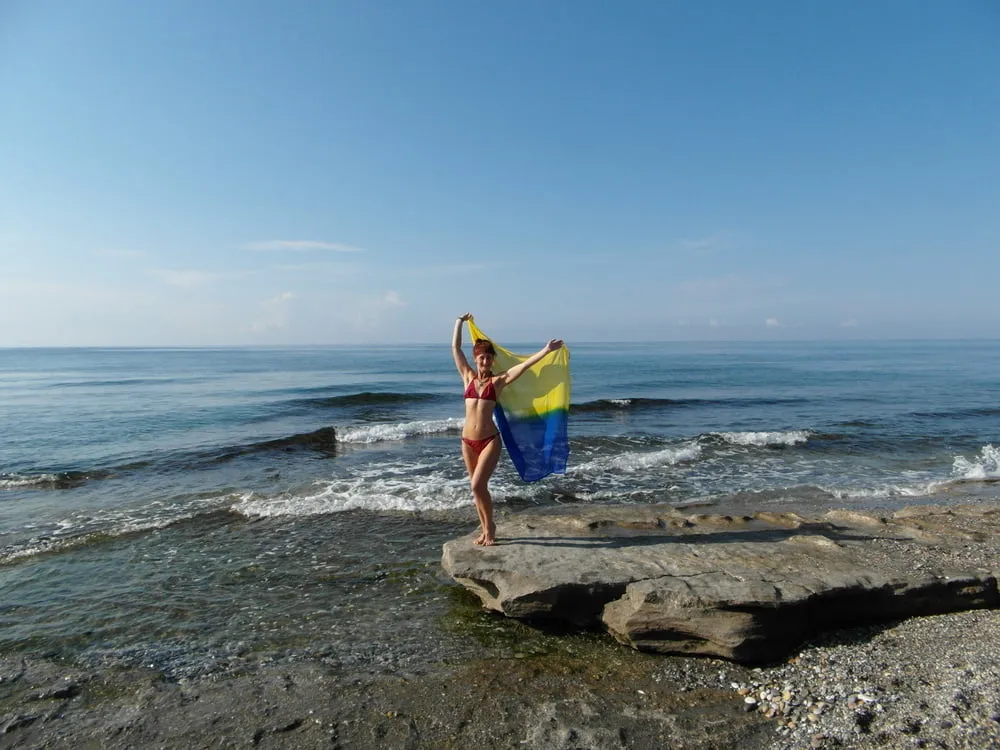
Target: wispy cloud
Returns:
[[772, 323], [301, 246], [852, 323], [375, 312], [274, 313], [391, 299]]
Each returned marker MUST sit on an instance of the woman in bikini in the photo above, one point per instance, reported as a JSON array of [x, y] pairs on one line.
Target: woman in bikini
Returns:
[[480, 439]]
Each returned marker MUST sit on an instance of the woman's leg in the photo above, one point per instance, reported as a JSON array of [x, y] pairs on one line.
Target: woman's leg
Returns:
[[471, 460], [480, 479], [481, 467]]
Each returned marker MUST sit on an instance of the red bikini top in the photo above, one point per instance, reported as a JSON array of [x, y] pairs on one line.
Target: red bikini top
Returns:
[[489, 392]]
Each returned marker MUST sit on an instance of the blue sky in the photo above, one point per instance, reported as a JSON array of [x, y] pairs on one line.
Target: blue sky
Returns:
[[237, 172]]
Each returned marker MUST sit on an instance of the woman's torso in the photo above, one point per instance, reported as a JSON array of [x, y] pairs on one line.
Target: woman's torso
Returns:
[[478, 410]]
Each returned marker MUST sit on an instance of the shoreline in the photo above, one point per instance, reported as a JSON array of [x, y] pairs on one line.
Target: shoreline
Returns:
[[921, 682]]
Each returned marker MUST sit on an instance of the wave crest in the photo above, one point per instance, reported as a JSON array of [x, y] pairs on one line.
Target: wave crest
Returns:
[[762, 439], [985, 466], [640, 461], [50, 480], [400, 431]]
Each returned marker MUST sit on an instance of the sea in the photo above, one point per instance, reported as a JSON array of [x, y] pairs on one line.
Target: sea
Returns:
[[201, 510]]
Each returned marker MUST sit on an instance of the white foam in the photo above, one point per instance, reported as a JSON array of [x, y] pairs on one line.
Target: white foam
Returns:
[[362, 493], [985, 466], [791, 437], [13, 481], [621, 402], [401, 431], [874, 493], [68, 533], [640, 461]]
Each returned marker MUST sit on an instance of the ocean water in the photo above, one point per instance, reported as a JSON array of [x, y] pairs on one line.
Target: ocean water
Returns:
[[195, 509]]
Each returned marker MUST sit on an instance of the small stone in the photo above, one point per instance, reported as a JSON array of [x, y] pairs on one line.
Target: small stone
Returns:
[[863, 718]]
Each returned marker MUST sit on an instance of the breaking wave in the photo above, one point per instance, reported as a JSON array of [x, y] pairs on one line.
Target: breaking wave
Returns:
[[383, 432], [634, 461], [984, 467]]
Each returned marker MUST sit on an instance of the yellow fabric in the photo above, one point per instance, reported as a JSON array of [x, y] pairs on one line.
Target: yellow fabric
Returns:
[[544, 388]]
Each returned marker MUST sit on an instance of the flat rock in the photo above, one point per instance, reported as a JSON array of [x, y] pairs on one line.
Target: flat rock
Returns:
[[749, 587]]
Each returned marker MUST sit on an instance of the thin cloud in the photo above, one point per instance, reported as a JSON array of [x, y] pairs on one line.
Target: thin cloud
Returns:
[[772, 323], [185, 279], [852, 323], [301, 246], [274, 313], [391, 299], [373, 313]]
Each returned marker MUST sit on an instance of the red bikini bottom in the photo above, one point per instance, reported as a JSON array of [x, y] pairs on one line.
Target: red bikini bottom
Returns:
[[479, 445]]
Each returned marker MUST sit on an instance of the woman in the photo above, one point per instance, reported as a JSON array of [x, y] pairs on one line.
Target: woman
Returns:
[[480, 439]]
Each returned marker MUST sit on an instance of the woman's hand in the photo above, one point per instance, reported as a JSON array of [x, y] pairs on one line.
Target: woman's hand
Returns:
[[553, 345], [465, 316]]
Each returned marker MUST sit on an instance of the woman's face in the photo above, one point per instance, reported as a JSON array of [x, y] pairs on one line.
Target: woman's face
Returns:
[[484, 361]]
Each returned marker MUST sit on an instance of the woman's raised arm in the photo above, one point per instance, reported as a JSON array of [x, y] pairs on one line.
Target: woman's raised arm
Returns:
[[456, 348], [519, 369]]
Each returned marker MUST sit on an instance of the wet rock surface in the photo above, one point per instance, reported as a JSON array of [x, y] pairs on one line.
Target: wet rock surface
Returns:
[[749, 588], [927, 682], [622, 700]]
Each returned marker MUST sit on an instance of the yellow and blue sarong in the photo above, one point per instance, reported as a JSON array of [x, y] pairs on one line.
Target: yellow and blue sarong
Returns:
[[533, 412]]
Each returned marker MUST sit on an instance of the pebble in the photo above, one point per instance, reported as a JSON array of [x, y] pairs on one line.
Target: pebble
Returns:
[[856, 688]]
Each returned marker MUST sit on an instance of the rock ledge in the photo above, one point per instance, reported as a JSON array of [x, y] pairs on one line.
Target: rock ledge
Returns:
[[748, 588]]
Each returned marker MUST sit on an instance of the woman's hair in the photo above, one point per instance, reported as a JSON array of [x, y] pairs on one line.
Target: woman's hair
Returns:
[[483, 346]]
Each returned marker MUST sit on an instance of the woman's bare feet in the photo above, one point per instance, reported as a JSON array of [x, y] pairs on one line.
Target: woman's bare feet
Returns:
[[490, 535], [487, 538]]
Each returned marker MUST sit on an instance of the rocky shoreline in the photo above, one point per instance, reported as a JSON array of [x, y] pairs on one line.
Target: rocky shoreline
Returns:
[[926, 681]]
